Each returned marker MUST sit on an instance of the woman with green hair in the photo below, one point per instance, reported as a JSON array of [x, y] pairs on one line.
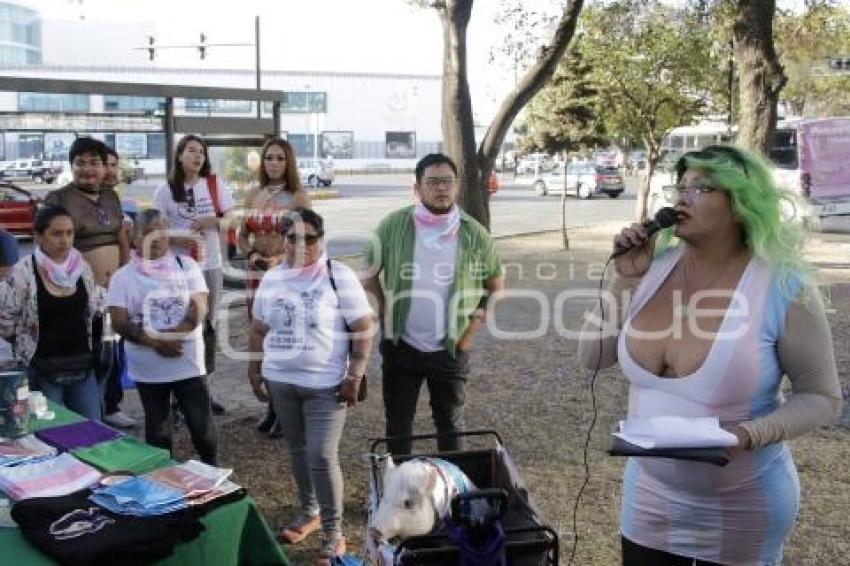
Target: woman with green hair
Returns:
[[707, 320]]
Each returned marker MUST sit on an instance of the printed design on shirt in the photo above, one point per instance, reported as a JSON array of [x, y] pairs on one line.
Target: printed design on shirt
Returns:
[[195, 206], [165, 312], [163, 304], [290, 319], [79, 522]]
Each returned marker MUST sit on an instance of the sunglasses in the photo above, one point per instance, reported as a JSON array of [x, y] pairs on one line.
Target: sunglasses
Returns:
[[308, 239]]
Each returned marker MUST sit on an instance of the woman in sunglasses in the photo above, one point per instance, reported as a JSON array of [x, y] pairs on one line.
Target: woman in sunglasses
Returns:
[[279, 191], [710, 316], [313, 324]]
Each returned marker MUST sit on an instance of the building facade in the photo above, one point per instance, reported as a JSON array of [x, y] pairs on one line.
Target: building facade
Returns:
[[362, 120]]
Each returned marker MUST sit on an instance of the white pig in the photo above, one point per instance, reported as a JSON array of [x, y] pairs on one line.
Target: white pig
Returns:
[[416, 496]]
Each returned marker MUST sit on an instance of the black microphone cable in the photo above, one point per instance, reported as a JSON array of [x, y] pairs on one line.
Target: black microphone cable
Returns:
[[594, 415]]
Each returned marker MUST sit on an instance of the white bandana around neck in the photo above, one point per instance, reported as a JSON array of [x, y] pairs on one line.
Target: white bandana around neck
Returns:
[[436, 230], [64, 275]]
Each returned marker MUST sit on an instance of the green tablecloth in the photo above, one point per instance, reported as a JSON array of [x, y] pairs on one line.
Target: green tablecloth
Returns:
[[236, 533], [63, 417]]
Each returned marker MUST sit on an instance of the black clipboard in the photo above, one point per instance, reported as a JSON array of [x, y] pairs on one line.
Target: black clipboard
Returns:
[[711, 455]]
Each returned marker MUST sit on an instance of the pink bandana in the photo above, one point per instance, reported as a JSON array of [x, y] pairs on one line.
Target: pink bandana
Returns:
[[65, 274], [308, 272], [162, 268], [436, 230]]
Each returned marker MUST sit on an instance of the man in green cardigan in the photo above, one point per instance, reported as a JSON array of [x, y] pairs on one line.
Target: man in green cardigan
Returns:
[[431, 269]]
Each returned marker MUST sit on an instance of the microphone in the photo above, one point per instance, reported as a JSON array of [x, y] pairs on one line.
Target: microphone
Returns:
[[664, 218]]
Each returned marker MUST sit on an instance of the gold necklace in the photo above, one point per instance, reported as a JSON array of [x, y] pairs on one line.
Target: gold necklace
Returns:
[[683, 310]]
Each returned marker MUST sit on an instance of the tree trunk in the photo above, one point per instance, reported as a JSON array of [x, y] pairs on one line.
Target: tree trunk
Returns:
[[457, 122], [474, 167], [761, 76], [642, 204]]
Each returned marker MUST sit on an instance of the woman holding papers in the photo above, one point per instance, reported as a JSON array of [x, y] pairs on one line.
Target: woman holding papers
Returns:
[[705, 321]]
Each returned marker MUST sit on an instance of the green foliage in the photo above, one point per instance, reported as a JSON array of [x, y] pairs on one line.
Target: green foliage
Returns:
[[655, 67], [804, 42], [564, 114], [235, 165]]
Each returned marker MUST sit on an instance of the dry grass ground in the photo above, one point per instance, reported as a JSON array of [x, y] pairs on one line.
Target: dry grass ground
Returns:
[[536, 395]]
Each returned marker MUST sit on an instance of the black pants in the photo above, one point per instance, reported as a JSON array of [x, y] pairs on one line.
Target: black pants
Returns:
[[637, 555], [113, 393], [404, 370], [194, 400]]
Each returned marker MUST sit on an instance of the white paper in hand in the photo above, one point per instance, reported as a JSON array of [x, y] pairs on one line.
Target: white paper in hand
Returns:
[[676, 432]]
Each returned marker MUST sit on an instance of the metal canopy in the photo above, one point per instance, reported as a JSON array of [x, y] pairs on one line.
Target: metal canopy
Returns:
[[246, 131], [63, 86], [235, 126]]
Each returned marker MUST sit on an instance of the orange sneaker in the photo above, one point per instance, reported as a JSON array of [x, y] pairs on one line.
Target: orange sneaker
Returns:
[[299, 529]]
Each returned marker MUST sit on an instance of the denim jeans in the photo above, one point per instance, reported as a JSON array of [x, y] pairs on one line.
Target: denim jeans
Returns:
[[194, 400], [312, 421], [404, 370], [82, 397]]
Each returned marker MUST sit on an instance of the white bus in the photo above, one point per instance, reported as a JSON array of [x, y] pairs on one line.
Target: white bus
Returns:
[[825, 201]]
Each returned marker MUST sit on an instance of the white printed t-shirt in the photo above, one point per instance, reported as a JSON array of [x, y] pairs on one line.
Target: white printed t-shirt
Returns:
[[307, 343], [180, 215], [160, 304], [433, 278]]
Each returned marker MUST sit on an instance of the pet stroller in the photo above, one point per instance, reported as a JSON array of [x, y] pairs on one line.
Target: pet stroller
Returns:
[[528, 540]]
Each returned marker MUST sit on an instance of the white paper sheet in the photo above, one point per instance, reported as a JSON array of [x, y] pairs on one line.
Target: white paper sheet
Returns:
[[675, 432]]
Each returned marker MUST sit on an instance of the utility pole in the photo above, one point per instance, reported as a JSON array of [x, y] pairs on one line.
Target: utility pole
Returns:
[[257, 47]]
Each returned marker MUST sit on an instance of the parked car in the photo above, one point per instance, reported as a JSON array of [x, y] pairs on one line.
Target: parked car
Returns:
[[582, 180], [33, 170], [17, 209], [534, 163], [316, 173]]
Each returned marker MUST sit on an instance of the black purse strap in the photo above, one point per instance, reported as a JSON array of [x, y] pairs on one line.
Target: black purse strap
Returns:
[[336, 292]]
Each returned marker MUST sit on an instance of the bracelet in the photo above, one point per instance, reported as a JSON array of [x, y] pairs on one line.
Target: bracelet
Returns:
[[352, 377]]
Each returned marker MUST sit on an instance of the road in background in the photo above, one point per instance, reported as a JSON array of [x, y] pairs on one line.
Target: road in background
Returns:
[[364, 199]]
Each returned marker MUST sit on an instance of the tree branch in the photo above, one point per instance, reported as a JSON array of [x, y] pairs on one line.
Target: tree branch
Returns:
[[530, 83]]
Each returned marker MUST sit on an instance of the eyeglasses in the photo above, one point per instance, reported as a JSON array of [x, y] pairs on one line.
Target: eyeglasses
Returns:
[[309, 239], [436, 182], [694, 191], [87, 163], [275, 158]]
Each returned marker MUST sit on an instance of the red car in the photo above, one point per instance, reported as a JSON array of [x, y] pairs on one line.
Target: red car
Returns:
[[17, 209]]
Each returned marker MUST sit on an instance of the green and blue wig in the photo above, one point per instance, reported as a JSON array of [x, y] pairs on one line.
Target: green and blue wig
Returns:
[[758, 203]]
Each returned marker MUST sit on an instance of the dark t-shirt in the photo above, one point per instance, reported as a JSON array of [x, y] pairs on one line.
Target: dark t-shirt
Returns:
[[73, 530], [96, 223], [61, 321]]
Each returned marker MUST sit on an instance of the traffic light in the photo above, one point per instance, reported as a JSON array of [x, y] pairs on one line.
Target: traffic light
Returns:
[[839, 63], [202, 47], [151, 48]]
